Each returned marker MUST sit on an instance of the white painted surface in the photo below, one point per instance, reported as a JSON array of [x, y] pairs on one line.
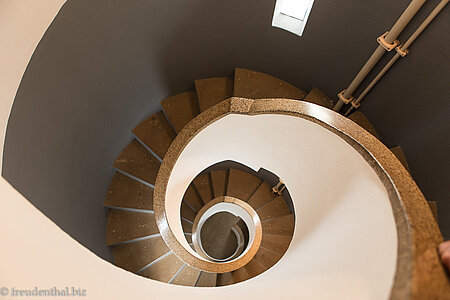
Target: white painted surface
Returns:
[[37, 253], [345, 241], [292, 15]]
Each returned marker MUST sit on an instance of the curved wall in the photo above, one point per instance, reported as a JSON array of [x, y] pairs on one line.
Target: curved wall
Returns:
[[104, 65], [353, 214]]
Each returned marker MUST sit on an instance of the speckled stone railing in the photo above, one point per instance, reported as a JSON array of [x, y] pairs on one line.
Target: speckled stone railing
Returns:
[[419, 273]]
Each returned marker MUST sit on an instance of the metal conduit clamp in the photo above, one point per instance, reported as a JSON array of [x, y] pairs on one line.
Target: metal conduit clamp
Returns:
[[355, 104], [388, 46], [345, 100], [279, 187], [402, 53]]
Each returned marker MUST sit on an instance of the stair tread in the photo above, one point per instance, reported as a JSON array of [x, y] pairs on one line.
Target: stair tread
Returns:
[[274, 209], [192, 197], [203, 185], [254, 268], [156, 133], [261, 196], [188, 238], [137, 161], [241, 185], [219, 182], [398, 152], [124, 191], [224, 279], [188, 276], [123, 225], [280, 226], [187, 212], [433, 208], [267, 258], [276, 243], [211, 91], [360, 119], [180, 109], [256, 85], [207, 279], [316, 96], [187, 227], [164, 269], [240, 275], [136, 255]]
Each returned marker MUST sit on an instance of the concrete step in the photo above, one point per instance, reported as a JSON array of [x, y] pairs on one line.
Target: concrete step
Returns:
[[188, 276], [136, 255], [180, 109], [211, 91], [274, 209], [398, 152], [433, 208], [204, 187], [316, 96], [163, 269], [261, 196], [187, 227], [279, 226], [123, 225], [256, 85], [137, 161], [187, 212], [224, 279], [156, 133], [360, 119], [241, 185], [126, 192], [276, 243], [240, 275], [192, 197], [266, 257], [219, 180], [206, 279], [254, 268], [188, 238]]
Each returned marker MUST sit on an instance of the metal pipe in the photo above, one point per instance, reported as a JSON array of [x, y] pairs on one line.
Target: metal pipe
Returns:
[[401, 23], [425, 23], [403, 48], [374, 81]]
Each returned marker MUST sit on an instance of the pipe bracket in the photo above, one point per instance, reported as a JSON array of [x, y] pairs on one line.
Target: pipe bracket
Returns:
[[355, 105], [345, 100], [402, 53], [387, 46]]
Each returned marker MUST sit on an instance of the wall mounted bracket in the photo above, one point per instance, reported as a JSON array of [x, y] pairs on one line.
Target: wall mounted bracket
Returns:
[[355, 104], [402, 53], [345, 100], [279, 187], [387, 46]]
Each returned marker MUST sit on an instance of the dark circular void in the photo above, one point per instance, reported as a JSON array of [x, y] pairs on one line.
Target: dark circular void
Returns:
[[103, 66], [217, 237]]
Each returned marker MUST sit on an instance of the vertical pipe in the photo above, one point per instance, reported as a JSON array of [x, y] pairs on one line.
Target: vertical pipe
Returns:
[[403, 48], [401, 23]]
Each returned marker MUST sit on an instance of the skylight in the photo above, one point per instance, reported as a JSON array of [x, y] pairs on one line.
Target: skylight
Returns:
[[291, 15]]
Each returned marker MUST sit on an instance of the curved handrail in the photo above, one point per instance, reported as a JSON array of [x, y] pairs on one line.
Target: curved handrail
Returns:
[[418, 234]]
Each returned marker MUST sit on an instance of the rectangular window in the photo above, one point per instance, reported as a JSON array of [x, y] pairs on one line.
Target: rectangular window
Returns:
[[291, 15]]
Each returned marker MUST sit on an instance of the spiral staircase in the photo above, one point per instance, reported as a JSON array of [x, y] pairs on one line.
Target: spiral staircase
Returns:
[[136, 228]]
